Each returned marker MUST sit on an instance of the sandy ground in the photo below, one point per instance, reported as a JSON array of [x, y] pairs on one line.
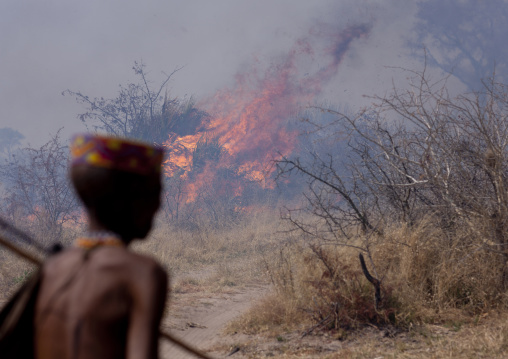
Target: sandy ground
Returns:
[[198, 316]]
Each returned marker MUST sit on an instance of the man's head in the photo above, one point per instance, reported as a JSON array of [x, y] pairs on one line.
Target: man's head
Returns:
[[118, 181]]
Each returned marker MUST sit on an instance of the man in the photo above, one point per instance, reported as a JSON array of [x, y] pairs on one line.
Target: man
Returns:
[[98, 299]]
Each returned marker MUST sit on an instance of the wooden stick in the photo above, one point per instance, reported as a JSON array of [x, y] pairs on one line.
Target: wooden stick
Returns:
[[31, 258], [20, 252], [375, 282], [183, 345]]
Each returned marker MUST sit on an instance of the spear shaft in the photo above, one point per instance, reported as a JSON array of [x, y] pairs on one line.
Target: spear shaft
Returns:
[[34, 260], [20, 252]]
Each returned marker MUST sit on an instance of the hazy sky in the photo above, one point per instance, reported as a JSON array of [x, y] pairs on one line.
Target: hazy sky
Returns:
[[90, 46]]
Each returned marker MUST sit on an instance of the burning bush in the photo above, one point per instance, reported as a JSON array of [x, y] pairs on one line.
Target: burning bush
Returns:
[[220, 159]]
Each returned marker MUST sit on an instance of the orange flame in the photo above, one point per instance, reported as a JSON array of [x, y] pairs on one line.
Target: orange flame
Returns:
[[180, 153], [251, 119]]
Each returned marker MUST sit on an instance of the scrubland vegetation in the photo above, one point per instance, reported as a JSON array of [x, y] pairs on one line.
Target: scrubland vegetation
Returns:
[[438, 301], [417, 184]]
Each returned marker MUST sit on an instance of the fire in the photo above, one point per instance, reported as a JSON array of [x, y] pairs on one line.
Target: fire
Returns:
[[250, 120], [181, 149]]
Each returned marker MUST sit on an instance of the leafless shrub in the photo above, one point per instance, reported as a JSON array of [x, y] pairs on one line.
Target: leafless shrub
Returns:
[[415, 154], [38, 194], [141, 110]]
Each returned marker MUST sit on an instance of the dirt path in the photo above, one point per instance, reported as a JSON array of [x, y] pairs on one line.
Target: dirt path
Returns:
[[199, 318]]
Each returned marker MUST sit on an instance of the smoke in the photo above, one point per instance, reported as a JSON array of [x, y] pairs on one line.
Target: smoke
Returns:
[[91, 46]]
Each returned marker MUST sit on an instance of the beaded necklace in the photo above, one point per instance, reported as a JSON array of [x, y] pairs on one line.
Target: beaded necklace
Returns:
[[98, 239]]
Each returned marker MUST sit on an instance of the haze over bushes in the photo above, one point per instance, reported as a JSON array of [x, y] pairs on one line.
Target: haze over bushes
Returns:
[[417, 181]]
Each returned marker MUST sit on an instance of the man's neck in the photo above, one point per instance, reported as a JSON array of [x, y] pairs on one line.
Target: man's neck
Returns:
[[95, 226]]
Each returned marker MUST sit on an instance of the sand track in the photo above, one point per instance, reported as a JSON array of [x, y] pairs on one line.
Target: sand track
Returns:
[[199, 318]]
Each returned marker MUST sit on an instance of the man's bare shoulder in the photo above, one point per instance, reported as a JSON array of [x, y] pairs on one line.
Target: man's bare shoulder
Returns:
[[107, 258]]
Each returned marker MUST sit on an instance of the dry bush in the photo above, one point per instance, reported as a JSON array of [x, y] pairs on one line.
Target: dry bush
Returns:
[[319, 287], [426, 276], [337, 294], [418, 183], [279, 266], [432, 273]]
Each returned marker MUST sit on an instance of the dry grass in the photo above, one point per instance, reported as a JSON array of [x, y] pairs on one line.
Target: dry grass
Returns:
[[215, 258], [443, 292], [317, 289], [271, 315], [485, 337], [431, 273], [14, 270]]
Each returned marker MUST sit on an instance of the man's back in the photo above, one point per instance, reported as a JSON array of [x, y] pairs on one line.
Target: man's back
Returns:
[[98, 300], [101, 303]]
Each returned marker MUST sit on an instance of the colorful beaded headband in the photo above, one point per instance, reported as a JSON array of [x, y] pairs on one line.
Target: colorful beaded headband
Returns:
[[116, 153]]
